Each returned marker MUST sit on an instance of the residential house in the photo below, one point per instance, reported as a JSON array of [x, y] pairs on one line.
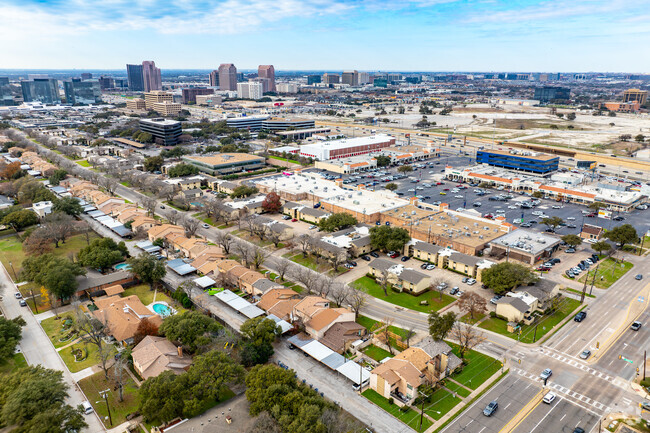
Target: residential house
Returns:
[[307, 307], [192, 194], [433, 358], [141, 224], [425, 251], [122, 316], [544, 291], [280, 302], [207, 261], [324, 319], [264, 285], [159, 232], [398, 379], [223, 187], [471, 266], [341, 335], [401, 278], [189, 183], [247, 280], [512, 309], [42, 208], [592, 232], [304, 213], [91, 285], [154, 355], [130, 214]]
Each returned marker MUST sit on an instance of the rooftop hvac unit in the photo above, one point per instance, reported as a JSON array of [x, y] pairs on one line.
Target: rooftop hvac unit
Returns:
[[413, 212], [475, 224], [445, 225], [383, 205], [359, 192], [349, 195], [467, 234], [480, 236], [541, 240], [466, 228], [316, 187], [496, 230], [356, 202], [430, 218]]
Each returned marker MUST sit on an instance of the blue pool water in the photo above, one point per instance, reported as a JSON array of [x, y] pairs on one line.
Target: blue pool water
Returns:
[[162, 309], [122, 266]]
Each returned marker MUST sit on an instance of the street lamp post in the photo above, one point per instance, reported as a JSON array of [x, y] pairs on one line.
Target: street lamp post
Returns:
[[104, 394]]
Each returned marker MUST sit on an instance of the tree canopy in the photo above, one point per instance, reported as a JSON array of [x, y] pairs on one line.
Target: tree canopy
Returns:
[[272, 203], [20, 219], [182, 169], [506, 276], [147, 268], [192, 329], [623, 234], [243, 191], [440, 324], [10, 336], [57, 274], [33, 400], [382, 160], [259, 333], [294, 406], [337, 221], [389, 238], [153, 163], [552, 222], [102, 253], [572, 240], [68, 205]]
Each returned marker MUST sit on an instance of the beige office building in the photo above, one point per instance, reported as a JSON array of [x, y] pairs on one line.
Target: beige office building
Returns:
[[167, 108], [157, 96], [136, 104]]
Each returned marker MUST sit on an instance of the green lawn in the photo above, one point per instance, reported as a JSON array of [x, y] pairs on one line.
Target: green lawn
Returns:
[[609, 271], [376, 353], [309, 262], [410, 418], [74, 366], [53, 329], [441, 402], [578, 292], [367, 322], [15, 362], [119, 410], [83, 163], [544, 324], [477, 369], [458, 389], [398, 331], [404, 299], [468, 319], [146, 296], [11, 250]]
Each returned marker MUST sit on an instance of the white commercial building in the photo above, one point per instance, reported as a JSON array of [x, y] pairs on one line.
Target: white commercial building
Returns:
[[250, 90], [287, 87], [336, 149]]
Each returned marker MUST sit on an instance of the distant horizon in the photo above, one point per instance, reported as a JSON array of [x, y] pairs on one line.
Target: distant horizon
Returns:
[[311, 35]]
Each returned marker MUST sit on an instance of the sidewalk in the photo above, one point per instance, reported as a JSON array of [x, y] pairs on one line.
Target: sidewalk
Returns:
[[460, 407]]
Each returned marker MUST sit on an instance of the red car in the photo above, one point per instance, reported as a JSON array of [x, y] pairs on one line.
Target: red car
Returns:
[[446, 189], [591, 215], [394, 255], [293, 220]]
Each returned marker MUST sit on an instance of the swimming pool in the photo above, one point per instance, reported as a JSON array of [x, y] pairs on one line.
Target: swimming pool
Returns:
[[122, 267], [162, 309]]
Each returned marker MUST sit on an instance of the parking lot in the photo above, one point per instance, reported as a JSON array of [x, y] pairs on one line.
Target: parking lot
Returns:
[[429, 192]]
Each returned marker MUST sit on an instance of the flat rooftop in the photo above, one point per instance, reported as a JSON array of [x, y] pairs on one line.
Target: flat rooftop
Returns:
[[527, 241], [522, 154], [223, 158], [351, 142], [455, 226], [160, 121]]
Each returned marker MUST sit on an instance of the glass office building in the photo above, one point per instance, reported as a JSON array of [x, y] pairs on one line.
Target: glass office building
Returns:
[[44, 90], [135, 77], [526, 161], [82, 92]]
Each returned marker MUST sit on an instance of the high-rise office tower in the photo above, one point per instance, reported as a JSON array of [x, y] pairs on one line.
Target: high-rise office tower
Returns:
[[313, 79], [45, 90], [82, 91], [6, 95], [635, 95], [330, 78], [351, 78], [250, 90], [214, 78], [267, 71], [227, 77], [151, 76], [364, 78], [106, 82], [134, 75]]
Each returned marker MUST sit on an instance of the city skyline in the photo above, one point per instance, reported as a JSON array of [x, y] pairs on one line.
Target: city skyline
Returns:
[[424, 35]]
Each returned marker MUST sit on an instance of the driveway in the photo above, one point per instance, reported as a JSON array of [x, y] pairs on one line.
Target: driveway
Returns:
[[38, 349]]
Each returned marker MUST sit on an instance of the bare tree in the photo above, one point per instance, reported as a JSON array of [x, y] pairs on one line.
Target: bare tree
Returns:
[[282, 265], [384, 333], [59, 226], [383, 280], [191, 225], [410, 333], [339, 294], [305, 276], [473, 304], [338, 258], [259, 256], [92, 330], [438, 283], [168, 192], [173, 216], [109, 184], [225, 240], [120, 374], [467, 336], [274, 237], [358, 298], [149, 204], [243, 213], [245, 252], [304, 242], [326, 285]]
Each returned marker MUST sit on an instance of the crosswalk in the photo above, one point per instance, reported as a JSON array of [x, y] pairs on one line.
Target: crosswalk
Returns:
[[574, 396], [562, 357]]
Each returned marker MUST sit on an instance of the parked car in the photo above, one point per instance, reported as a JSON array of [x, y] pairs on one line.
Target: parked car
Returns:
[[471, 281], [580, 316], [464, 280], [205, 225], [431, 267], [23, 303], [495, 298], [454, 290], [490, 408], [18, 295], [394, 255], [293, 220], [365, 257], [374, 254], [286, 217], [405, 258], [578, 430]]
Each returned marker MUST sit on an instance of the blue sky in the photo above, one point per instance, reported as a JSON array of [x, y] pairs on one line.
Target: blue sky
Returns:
[[405, 35]]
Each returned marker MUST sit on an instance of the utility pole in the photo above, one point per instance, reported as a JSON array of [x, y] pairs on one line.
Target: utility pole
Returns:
[[535, 334], [422, 410], [593, 280], [645, 356], [584, 289], [105, 395]]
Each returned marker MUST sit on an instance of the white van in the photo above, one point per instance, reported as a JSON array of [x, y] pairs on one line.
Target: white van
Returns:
[[88, 408]]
